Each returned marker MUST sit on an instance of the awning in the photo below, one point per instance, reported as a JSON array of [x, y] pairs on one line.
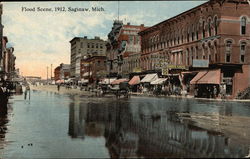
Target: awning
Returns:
[[118, 81], [207, 77], [149, 78], [87, 74], [60, 81], [107, 80], [158, 81], [135, 80]]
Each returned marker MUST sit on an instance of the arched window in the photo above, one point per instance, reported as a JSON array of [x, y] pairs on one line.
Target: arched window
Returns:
[[187, 57], [242, 51], [243, 23], [215, 26], [228, 50], [188, 35], [192, 32], [209, 28], [203, 30]]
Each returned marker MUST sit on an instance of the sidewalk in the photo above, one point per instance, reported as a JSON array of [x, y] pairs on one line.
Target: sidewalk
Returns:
[[189, 97]]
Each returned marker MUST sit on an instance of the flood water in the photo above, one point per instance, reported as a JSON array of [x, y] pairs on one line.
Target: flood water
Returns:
[[52, 125]]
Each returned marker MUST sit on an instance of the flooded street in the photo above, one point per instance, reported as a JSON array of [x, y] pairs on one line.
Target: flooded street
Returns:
[[52, 125]]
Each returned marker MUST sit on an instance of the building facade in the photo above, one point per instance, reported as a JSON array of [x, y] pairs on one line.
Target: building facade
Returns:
[[211, 36], [62, 72], [93, 68], [1, 41], [81, 47], [123, 47]]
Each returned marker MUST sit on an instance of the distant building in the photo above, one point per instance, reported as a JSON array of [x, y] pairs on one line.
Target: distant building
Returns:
[[62, 72], [81, 47]]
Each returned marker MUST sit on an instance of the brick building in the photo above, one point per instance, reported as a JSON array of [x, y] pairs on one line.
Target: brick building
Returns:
[[212, 36], [93, 68], [82, 46], [62, 72], [123, 48]]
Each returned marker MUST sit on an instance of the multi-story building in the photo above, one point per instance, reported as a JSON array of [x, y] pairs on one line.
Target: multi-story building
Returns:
[[62, 72], [93, 68], [212, 36], [82, 47], [57, 73], [1, 37], [123, 48]]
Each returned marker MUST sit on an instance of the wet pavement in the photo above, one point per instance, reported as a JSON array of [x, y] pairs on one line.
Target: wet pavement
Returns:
[[52, 125]]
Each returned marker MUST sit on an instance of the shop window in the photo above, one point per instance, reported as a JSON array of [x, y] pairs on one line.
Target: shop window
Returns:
[[242, 51], [243, 23]]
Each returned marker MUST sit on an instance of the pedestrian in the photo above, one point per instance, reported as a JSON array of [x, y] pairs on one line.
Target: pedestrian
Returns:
[[58, 87]]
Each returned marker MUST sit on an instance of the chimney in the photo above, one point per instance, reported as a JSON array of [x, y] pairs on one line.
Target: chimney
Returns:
[[128, 23], [85, 37], [142, 25]]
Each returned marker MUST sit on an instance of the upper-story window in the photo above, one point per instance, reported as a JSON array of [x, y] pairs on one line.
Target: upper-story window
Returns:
[[203, 30], [243, 24], [131, 39], [242, 51], [215, 26], [228, 50], [192, 32], [209, 28]]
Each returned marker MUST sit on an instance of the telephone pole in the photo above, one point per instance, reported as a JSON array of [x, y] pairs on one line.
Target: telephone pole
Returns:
[[47, 73], [51, 72]]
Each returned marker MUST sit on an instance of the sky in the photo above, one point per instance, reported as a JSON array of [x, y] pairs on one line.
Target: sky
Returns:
[[42, 38]]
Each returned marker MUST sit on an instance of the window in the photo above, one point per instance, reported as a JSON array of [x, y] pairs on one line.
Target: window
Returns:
[[197, 35], [81, 45], [131, 39], [96, 45], [242, 51], [209, 28], [215, 26], [228, 51], [243, 25], [203, 30], [187, 57], [196, 52], [100, 46], [88, 45], [192, 32], [188, 37]]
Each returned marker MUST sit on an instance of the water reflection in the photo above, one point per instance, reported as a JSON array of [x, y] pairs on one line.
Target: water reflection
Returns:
[[144, 128]]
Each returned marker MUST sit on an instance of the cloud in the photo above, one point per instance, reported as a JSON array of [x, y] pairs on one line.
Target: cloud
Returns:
[[42, 38]]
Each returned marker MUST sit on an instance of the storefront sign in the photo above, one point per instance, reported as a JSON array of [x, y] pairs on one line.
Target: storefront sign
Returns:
[[164, 71], [176, 67], [137, 69], [200, 63]]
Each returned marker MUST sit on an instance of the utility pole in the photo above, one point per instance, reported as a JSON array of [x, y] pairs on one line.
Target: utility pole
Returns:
[[51, 72], [47, 73]]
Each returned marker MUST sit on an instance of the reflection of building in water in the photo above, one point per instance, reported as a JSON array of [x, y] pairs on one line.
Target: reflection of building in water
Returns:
[[154, 130], [77, 113]]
